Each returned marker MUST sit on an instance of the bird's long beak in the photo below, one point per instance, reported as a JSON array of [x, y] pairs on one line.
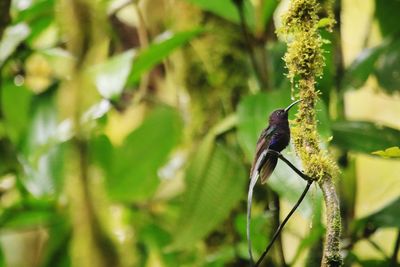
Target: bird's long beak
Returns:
[[291, 105]]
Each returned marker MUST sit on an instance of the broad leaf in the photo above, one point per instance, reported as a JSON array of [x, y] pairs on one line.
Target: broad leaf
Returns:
[[260, 231], [387, 69], [39, 16], [268, 10], [388, 216], [110, 77], [158, 51], [15, 102], [42, 157], [28, 214], [388, 16], [215, 181], [364, 137], [56, 252], [358, 72], [227, 10], [133, 174], [12, 37]]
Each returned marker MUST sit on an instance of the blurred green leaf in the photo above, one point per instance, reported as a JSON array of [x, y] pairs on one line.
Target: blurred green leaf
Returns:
[[363, 137], [313, 239], [323, 121], [20, 218], [38, 9], [325, 83], [212, 191], [56, 252], [39, 16], [227, 10], [135, 164], [269, 7], [110, 77], [373, 263], [42, 156], [101, 151], [387, 15], [12, 37], [388, 68], [277, 69], [360, 69], [391, 152], [388, 216], [158, 51], [38, 26], [15, 103], [2, 258], [260, 231]]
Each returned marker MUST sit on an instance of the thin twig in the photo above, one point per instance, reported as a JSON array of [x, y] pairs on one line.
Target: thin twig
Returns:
[[278, 231], [243, 26]]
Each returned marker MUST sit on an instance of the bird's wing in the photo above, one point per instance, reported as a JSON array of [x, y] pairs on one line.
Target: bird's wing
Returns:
[[268, 167], [262, 145]]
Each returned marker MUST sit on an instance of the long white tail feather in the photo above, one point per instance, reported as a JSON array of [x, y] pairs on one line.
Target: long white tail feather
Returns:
[[253, 181]]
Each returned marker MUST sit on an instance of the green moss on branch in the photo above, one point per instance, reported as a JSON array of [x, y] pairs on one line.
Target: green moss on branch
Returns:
[[304, 60]]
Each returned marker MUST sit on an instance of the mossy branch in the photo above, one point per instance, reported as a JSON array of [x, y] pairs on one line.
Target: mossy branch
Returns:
[[304, 60]]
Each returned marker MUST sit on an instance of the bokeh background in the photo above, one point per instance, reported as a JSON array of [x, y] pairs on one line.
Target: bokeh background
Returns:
[[127, 130]]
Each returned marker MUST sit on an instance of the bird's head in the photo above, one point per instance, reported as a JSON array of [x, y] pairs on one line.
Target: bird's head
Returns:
[[280, 115]]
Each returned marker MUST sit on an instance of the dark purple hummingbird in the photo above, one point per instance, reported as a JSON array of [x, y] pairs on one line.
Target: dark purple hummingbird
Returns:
[[275, 137]]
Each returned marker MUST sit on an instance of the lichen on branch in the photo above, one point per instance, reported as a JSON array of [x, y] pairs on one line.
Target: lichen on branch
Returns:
[[305, 61]]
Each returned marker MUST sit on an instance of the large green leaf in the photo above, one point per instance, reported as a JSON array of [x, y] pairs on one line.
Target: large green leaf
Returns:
[[227, 10], [388, 216], [110, 77], [42, 155], [387, 69], [386, 11], [28, 214], [358, 72], [133, 174], [260, 232], [56, 252], [268, 10], [12, 37], [215, 182], [15, 103], [39, 16], [363, 136], [158, 51]]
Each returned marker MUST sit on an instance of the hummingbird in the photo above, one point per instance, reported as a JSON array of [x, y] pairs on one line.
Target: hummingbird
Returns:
[[275, 137]]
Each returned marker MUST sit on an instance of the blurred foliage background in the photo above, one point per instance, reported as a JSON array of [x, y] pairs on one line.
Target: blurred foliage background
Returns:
[[127, 129]]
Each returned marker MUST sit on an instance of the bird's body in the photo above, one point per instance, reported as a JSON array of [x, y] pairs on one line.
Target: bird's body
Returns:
[[275, 137]]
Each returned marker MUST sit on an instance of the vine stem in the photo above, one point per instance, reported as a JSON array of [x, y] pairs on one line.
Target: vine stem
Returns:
[[331, 256], [278, 231]]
